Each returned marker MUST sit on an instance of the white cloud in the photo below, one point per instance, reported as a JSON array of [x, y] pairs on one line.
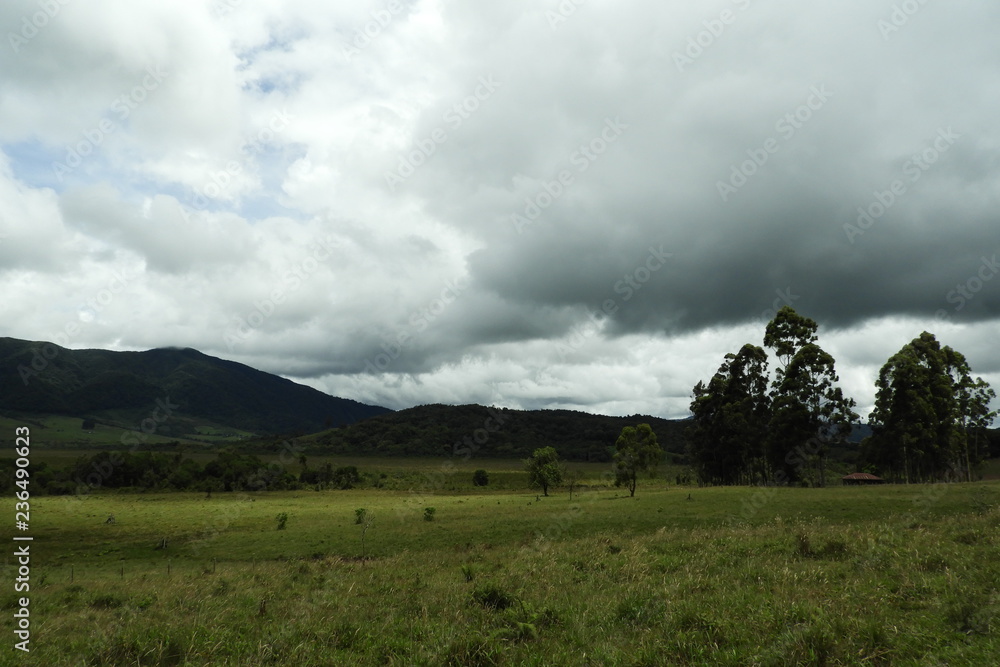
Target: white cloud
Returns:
[[230, 183]]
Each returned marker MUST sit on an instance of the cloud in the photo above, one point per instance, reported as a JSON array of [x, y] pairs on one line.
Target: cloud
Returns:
[[534, 205]]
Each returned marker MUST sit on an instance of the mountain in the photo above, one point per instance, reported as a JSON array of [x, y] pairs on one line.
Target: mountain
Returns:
[[475, 430], [126, 388]]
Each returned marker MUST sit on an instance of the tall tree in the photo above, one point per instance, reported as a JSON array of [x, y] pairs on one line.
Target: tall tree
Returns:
[[636, 451], [925, 403], [544, 469], [731, 412], [974, 404], [808, 410], [787, 333]]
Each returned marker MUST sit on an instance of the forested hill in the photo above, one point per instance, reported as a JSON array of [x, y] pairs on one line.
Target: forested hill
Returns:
[[446, 430], [124, 387]]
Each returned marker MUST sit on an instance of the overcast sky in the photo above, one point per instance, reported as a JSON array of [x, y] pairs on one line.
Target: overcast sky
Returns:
[[531, 204]]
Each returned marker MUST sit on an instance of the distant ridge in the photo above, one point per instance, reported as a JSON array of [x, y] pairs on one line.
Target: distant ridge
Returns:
[[464, 431], [124, 387]]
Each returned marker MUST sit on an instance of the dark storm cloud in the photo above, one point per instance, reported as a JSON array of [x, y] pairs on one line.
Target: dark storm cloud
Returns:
[[544, 204]]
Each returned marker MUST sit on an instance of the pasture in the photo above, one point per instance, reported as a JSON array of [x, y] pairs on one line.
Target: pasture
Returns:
[[676, 575]]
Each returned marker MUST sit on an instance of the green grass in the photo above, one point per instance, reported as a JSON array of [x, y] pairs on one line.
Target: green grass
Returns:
[[731, 576], [55, 432]]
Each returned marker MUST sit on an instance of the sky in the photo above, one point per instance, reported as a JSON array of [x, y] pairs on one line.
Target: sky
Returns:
[[544, 204]]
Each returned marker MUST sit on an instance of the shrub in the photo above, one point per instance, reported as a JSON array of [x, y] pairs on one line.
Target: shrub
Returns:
[[480, 478], [493, 597], [346, 477], [282, 519], [429, 513], [359, 516]]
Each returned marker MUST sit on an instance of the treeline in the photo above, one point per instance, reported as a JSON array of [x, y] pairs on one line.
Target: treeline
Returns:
[[930, 420], [474, 430], [154, 471]]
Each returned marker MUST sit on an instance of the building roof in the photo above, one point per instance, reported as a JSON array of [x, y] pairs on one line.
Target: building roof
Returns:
[[862, 475]]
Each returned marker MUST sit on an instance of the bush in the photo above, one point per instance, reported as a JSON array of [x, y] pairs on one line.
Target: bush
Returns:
[[346, 477], [359, 516], [429, 513], [282, 520], [480, 478], [493, 597]]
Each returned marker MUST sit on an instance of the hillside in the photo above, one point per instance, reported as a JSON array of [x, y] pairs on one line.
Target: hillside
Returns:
[[123, 388], [446, 430], [474, 430]]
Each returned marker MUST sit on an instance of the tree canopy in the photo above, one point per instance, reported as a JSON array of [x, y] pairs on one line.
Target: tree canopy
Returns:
[[741, 433], [635, 451], [730, 420], [925, 405], [544, 468]]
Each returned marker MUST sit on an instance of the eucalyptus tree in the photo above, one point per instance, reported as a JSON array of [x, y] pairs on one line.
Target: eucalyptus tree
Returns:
[[808, 410], [925, 404], [731, 413]]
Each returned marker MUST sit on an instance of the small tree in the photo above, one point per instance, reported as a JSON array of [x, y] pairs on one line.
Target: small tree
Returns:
[[480, 478], [367, 521], [636, 451], [346, 477], [544, 469]]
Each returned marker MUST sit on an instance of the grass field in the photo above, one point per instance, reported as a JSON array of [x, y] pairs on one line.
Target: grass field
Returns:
[[55, 432], [678, 575]]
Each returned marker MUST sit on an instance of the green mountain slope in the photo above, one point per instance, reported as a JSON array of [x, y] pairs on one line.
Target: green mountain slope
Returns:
[[478, 431], [126, 388]]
